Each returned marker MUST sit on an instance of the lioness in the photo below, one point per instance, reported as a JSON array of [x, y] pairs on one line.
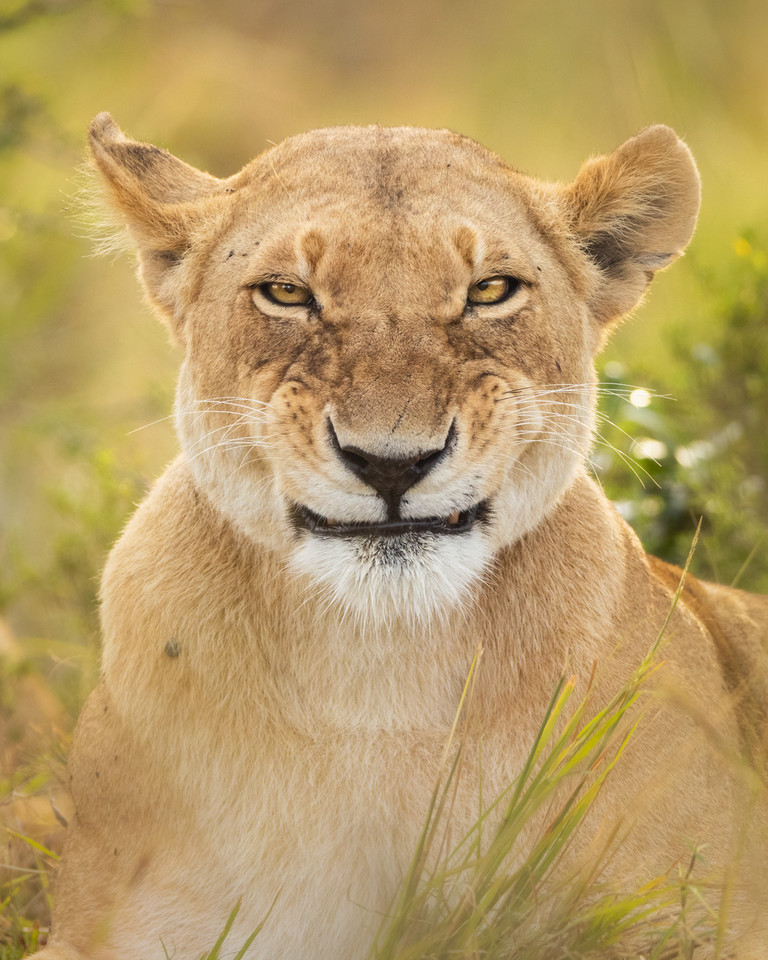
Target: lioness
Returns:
[[384, 412]]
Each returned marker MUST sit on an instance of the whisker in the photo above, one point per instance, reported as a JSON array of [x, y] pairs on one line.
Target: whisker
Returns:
[[229, 443], [547, 439], [153, 423], [601, 388], [550, 420], [633, 464], [525, 468], [247, 403], [226, 439], [252, 413]]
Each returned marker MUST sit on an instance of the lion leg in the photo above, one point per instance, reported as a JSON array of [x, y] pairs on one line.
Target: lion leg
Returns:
[[110, 839]]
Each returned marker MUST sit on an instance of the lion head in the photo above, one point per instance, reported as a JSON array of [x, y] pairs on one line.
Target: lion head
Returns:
[[389, 339]]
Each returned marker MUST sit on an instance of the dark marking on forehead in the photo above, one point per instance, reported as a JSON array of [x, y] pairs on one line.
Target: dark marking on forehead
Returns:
[[465, 239], [387, 177], [312, 246]]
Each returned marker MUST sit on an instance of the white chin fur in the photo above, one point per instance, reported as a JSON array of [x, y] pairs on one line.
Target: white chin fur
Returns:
[[411, 579]]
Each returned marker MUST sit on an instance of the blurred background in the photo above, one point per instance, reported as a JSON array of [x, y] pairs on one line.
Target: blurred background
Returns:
[[87, 375]]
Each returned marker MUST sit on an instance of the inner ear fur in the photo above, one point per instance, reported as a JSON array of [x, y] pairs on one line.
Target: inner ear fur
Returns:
[[160, 198], [633, 211]]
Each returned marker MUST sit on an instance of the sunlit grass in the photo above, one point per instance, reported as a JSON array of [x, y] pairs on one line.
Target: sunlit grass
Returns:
[[221, 948], [25, 895]]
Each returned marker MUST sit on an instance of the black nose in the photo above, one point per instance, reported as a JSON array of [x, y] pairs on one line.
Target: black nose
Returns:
[[390, 478]]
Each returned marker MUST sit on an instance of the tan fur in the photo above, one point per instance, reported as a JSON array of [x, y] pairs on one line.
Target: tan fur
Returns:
[[274, 703]]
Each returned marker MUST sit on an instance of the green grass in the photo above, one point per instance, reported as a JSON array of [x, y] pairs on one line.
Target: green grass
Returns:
[[24, 895]]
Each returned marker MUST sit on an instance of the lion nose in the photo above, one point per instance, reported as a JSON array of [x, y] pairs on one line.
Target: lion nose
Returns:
[[390, 477]]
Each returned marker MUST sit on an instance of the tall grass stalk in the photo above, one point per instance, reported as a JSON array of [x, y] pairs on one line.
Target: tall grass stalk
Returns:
[[487, 898], [22, 886]]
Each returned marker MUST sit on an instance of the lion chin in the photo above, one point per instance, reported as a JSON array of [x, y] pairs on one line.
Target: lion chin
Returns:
[[410, 578]]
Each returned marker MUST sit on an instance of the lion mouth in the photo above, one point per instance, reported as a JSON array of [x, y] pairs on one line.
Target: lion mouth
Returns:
[[457, 522]]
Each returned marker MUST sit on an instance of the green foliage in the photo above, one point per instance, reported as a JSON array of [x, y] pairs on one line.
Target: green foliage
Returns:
[[704, 454], [91, 508], [215, 952], [24, 895], [56, 594]]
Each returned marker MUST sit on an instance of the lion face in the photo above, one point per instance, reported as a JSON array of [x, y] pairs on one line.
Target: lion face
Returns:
[[389, 338]]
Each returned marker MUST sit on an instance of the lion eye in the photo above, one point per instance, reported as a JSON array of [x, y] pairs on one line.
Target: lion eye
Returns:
[[492, 290], [286, 294]]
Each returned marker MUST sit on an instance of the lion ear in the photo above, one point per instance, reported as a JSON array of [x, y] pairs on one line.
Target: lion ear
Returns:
[[633, 212], [160, 198]]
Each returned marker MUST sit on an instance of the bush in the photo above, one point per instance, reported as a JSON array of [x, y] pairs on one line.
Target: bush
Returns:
[[705, 455]]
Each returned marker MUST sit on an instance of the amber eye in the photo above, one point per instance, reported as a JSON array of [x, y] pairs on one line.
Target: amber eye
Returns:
[[286, 294], [492, 290]]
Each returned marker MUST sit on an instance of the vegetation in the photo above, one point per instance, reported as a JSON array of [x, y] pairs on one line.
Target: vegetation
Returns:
[[84, 367], [483, 899], [702, 456]]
